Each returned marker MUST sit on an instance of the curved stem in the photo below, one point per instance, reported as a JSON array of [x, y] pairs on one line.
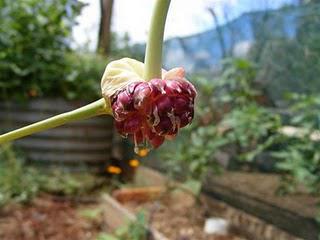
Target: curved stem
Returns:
[[153, 57], [93, 109]]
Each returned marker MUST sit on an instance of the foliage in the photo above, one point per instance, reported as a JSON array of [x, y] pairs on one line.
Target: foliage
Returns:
[[64, 183], [227, 117], [135, 230], [21, 183], [236, 85], [34, 42], [17, 184], [194, 155], [83, 78], [300, 156], [252, 128]]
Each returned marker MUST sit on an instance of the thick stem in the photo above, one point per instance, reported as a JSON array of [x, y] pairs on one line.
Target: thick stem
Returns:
[[94, 109], [153, 57]]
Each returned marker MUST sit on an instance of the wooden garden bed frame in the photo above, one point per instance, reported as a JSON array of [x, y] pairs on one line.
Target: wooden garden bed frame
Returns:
[[263, 221]]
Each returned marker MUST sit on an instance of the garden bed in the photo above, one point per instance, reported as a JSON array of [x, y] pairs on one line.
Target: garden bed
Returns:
[[51, 218], [171, 213], [255, 193], [177, 215]]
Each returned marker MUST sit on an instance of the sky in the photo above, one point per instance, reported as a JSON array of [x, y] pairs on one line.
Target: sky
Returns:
[[185, 17]]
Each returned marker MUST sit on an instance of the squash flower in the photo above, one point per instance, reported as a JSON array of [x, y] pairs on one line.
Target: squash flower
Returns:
[[148, 104]]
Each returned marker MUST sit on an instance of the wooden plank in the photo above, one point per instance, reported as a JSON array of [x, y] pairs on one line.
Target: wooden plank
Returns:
[[247, 225], [254, 193]]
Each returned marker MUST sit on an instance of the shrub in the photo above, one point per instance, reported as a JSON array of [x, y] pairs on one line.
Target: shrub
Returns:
[[300, 156], [34, 42], [17, 184], [83, 79]]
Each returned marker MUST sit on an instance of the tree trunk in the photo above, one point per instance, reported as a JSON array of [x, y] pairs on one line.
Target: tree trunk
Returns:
[[105, 26]]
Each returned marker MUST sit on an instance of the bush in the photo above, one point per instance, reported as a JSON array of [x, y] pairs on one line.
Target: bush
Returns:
[[83, 80], [20, 183], [17, 184], [300, 156], [34, 42]]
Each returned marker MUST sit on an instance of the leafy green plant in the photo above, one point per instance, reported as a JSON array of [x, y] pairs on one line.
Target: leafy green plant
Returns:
[[17, 184], [300, 155], [252, 129], [83, 78], [194, 155], [135, 230], [20, 183], [34, 42], [64, 183], [236, 85]]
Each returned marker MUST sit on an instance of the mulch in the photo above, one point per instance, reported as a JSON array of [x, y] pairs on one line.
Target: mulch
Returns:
[[47, 218], [178, 217]]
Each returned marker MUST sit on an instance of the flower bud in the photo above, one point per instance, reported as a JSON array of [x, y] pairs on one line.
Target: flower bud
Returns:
[[149, 111]]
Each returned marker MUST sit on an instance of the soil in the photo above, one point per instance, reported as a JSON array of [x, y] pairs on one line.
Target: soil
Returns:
[[47, 218], [178, 217]]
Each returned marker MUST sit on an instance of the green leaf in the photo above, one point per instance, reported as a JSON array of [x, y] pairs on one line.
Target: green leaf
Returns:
[[193, 185]]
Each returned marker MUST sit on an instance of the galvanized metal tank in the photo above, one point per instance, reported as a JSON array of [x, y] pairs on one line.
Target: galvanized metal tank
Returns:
[[76, 146]]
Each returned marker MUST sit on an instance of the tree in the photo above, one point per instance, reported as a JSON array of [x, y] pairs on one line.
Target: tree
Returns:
[[105, 26]]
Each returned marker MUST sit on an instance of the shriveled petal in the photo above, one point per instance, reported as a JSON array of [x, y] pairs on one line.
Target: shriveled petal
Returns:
[[174, 73]]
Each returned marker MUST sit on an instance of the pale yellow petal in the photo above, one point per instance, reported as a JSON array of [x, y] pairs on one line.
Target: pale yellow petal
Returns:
[[119, 74]]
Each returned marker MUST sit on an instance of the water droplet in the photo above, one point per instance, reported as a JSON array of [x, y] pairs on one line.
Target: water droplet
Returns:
[[142, 149]]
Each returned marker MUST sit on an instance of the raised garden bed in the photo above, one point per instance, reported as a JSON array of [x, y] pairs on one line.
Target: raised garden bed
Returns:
[[255, 193], [171, 215], [178, 216]]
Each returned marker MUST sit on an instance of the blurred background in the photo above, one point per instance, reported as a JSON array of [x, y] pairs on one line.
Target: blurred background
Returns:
[[248, 167]]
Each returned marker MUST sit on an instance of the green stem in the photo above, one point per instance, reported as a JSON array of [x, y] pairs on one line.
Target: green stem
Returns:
[[153, 57], [94, 109]]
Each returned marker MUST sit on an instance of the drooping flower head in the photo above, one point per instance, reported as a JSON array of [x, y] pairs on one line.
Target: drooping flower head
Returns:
[[152, 110]]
